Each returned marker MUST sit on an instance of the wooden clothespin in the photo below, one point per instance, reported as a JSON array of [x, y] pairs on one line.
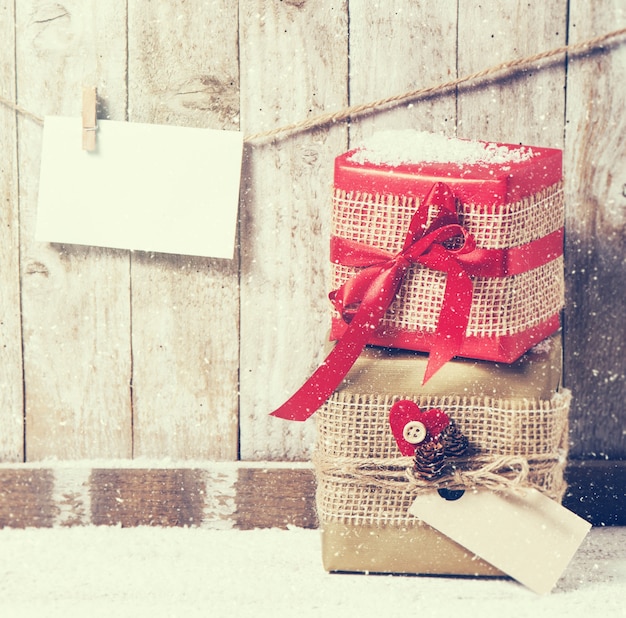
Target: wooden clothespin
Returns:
[[90, 124]]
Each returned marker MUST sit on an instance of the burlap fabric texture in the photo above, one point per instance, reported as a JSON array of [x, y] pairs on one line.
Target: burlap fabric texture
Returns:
[[501, 306], [363, 480]]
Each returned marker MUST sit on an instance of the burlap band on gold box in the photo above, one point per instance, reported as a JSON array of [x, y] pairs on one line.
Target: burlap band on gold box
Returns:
[[363, 480], [501, 306], [365, 488]]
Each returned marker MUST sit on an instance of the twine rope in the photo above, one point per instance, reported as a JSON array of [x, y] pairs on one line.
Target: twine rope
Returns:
[[21, 110], [361, 109], [353, 111], [495, 473]]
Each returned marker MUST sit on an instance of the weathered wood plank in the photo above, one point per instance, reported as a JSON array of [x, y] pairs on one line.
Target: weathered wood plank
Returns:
[[144, 497], [11, 389], [526, 107], [293, 64], [275, 498], [26, 498], [226, 495], [595, 165], [71, 496], [183, 70], [397, 47], [74, 299]]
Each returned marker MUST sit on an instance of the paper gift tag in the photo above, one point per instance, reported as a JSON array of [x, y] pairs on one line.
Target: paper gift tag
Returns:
[[146, 187], [526, 535]]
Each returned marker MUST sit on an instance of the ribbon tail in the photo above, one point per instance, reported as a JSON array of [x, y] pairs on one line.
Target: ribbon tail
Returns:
[[329, 375], [326, 378], [440, 354], [453, 319]]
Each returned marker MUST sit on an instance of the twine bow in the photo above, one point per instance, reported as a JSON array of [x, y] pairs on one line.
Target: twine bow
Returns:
[[364, 299], [494, 473], [491, 472]]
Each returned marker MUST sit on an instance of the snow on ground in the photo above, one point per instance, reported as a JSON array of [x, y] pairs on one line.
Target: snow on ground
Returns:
[[183, 572]]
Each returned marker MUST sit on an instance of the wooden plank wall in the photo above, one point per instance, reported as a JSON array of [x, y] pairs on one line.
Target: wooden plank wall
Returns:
[[110, 354], [11, 390]]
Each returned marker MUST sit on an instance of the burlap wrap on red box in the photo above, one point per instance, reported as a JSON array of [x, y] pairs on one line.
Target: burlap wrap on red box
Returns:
[[508, 314]]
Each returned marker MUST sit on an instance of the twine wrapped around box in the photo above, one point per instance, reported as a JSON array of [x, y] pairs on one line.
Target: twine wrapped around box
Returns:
[[362, 480]]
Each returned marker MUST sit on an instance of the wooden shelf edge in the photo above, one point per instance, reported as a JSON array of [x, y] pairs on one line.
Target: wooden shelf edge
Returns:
[[225, 496]]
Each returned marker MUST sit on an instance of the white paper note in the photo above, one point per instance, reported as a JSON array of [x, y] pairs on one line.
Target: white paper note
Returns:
[[145, 187], [526, 535]]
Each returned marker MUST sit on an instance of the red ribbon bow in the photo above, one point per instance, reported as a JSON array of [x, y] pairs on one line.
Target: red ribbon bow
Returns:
[[374, 288]]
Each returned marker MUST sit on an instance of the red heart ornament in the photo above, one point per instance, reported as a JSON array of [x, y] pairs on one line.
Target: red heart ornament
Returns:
[[411, 425]]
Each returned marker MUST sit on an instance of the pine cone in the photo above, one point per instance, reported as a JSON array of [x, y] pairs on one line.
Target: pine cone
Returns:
[[429, 459], [455, 444]]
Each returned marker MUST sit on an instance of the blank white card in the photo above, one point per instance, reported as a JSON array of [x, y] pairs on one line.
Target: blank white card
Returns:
[[145, 187]]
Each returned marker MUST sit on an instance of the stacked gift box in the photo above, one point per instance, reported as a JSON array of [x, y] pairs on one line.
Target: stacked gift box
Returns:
[[506, 411], [447, 287]]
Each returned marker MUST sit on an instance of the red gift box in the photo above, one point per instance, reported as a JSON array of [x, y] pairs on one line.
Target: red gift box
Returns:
[[514, 213], [454, 259]]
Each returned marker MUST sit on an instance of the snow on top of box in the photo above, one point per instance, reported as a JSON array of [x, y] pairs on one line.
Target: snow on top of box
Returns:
[[409, 147]]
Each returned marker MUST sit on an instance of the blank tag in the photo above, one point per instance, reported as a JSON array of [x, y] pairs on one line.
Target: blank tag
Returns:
[[145, 187], [526, 535]]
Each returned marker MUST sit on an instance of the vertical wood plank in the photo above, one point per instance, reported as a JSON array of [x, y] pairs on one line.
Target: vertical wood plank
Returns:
[[595, 166], [75, 300], [293, 65], [400, 46], [11, 391], [183, 70], [527, 107]]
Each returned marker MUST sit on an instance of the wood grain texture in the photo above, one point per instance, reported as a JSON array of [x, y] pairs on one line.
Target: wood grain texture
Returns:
[[275, 498], [526, 107], [183, 70], [595, 165], [227, 495], [74, 299], [26, 498], [398, 47], [147, 497], [294, 64], [11, 389]]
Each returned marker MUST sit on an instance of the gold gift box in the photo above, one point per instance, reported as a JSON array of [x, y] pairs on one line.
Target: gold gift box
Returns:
[[415, 547], [536, 375], [419, 549]]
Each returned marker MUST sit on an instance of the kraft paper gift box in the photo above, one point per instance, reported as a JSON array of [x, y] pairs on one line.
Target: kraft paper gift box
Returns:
[[508, 206], [509, 412]]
